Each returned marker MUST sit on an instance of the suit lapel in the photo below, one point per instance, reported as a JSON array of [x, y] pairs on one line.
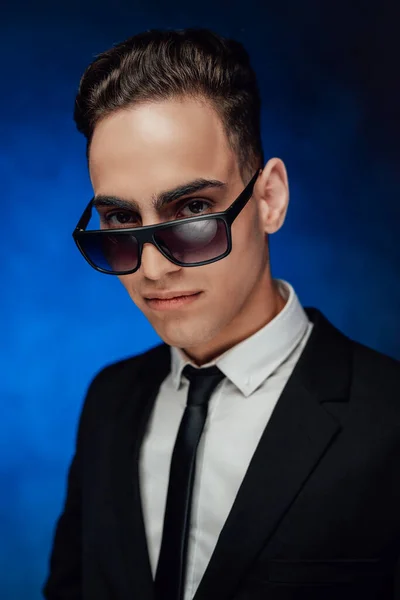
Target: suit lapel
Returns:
[[142, 385], [297, 436]]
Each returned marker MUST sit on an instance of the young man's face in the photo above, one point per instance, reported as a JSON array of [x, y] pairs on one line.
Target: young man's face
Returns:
[[151, 148]]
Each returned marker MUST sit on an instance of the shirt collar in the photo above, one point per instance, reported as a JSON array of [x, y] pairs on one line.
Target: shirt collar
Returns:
[[249, 363]]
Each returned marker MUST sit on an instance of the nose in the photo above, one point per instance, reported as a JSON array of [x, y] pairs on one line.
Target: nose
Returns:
[[154, 264]]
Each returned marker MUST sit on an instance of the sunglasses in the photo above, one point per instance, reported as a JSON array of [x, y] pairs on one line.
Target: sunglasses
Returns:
[[190, 242]]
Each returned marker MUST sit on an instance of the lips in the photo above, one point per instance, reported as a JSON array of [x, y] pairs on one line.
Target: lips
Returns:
[[170, 295], [174, 302]]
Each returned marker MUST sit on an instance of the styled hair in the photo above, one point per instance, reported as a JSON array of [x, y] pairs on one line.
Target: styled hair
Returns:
[[157, 65]]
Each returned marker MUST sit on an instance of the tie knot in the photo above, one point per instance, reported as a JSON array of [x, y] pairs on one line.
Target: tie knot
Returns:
[[202, 383]]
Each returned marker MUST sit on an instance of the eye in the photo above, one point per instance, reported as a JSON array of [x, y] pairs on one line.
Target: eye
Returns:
[[116, 219], [195, 207]]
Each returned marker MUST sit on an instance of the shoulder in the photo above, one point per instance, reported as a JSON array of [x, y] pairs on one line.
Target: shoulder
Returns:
[[120, 372], [376, 375], [111, 383], [375, 366]]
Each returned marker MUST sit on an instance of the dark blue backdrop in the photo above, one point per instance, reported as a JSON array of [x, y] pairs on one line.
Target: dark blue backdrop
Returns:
[[329, 79]]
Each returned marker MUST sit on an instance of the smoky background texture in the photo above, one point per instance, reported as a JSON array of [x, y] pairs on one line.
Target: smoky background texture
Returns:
[[329, 78]]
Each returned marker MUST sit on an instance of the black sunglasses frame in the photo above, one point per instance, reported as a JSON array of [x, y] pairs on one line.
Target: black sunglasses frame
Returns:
[[146, 234]]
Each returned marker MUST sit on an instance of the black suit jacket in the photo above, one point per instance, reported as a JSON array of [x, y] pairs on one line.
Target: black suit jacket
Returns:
[[317, 516]]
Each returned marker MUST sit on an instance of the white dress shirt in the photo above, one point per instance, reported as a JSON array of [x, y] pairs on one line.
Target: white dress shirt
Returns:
[[240, 407]]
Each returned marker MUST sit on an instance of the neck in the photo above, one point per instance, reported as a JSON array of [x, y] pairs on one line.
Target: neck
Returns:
[[262, 306]]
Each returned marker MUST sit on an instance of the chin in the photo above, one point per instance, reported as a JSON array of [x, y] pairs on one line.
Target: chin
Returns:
[[185, 335]]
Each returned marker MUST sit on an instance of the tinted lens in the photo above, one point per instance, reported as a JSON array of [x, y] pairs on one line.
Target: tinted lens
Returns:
[[111, 252], [194, 242]]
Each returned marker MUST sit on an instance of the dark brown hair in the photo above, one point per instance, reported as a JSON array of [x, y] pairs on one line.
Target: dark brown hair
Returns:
[[156, 65]]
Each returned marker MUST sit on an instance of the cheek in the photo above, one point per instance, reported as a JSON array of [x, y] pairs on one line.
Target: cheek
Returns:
[[248, 240], [130, 283], [235, 273], [124, 279]]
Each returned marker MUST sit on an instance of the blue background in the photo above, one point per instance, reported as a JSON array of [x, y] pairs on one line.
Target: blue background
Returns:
[[329, 79]]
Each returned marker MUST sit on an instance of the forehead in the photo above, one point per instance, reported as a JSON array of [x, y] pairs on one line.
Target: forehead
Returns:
[[155, 146]]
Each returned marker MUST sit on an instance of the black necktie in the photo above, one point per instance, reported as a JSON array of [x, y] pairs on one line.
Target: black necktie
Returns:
[[170, 575]]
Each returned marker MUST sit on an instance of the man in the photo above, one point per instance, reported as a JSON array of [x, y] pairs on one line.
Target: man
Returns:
[[255, 453]]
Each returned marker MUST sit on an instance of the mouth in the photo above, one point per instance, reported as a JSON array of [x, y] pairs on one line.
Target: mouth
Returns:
[[172, 302]]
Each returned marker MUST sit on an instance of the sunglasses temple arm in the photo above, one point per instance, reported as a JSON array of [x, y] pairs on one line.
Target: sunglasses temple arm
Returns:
[[85, 218], [242, 200]]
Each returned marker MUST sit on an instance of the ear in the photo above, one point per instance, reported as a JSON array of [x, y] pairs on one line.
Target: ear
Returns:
[[271, 192]]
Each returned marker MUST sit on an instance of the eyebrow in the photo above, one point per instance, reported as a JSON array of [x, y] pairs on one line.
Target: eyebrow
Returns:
[[159, 201]]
